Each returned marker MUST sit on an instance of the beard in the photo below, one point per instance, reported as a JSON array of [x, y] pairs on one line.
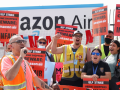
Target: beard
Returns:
[[77, 43]]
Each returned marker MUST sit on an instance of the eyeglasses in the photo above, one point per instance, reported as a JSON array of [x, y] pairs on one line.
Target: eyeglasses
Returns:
[[93, 53], [42, 42], [77, 36], [20, 41]]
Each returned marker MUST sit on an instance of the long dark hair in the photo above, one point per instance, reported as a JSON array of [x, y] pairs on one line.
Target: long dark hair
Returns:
[[117, 43]]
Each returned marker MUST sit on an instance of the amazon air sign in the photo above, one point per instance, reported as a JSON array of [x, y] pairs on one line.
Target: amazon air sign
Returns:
[[42, 20]]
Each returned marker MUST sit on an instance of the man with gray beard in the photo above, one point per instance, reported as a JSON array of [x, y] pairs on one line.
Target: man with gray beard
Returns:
[[74, 57]]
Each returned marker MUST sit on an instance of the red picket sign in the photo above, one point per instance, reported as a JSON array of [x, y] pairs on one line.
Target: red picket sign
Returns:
[[100, 84], [117, 21], [118, 83], [99, 21], [36, 58], [67, 87], [9, 25], [67, 32]]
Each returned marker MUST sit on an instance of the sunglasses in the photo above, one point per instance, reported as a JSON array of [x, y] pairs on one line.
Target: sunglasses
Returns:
[[93, 53], [42, 42], [77, 36], [20, 41]]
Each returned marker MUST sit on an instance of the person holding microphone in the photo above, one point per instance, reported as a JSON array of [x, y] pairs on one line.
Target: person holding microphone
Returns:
[[17, 73]]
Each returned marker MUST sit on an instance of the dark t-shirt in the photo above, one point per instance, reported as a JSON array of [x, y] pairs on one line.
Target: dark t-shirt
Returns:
[[106, 50], [102, 68]]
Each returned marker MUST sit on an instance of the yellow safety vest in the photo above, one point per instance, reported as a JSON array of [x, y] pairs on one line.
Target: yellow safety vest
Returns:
[[103, 52], [69, 68], [58, 57]]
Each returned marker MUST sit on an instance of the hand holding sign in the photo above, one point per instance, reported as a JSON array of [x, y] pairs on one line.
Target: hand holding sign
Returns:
[[57, 36], [66, 32], [95, 77]]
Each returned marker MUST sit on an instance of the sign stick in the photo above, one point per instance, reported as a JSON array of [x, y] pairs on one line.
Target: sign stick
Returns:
[[4, 47], [100, 42]]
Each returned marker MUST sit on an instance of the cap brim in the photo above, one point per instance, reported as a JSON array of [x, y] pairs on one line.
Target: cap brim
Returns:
[[42, 39], [78, 33]]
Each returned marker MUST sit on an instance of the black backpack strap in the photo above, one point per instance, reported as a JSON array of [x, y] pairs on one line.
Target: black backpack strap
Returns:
[[105, 58], [117, 69], [48, 56], [118, 56]]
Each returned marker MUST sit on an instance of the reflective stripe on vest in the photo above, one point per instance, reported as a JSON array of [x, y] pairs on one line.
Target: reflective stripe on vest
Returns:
[[71, 61], [14, 87], [12, 58]]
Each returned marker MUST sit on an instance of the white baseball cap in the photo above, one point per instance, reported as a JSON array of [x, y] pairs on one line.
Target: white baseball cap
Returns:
[[41, 37], [77, 31]]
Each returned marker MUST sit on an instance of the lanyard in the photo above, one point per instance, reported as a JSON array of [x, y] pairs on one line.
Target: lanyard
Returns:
[[95, 70]]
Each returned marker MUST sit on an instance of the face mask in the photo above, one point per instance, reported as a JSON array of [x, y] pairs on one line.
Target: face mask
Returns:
[[108, 41], [8, 53], [41, 46]]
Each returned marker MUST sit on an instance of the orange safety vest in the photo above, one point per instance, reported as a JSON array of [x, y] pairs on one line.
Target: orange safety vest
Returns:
[[1, 83], [19, 82]]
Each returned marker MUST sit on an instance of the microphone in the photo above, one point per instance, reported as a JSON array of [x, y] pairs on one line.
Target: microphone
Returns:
[[25, 51]]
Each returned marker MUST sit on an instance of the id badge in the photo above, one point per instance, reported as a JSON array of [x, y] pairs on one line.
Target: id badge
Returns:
[[75, 62]]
